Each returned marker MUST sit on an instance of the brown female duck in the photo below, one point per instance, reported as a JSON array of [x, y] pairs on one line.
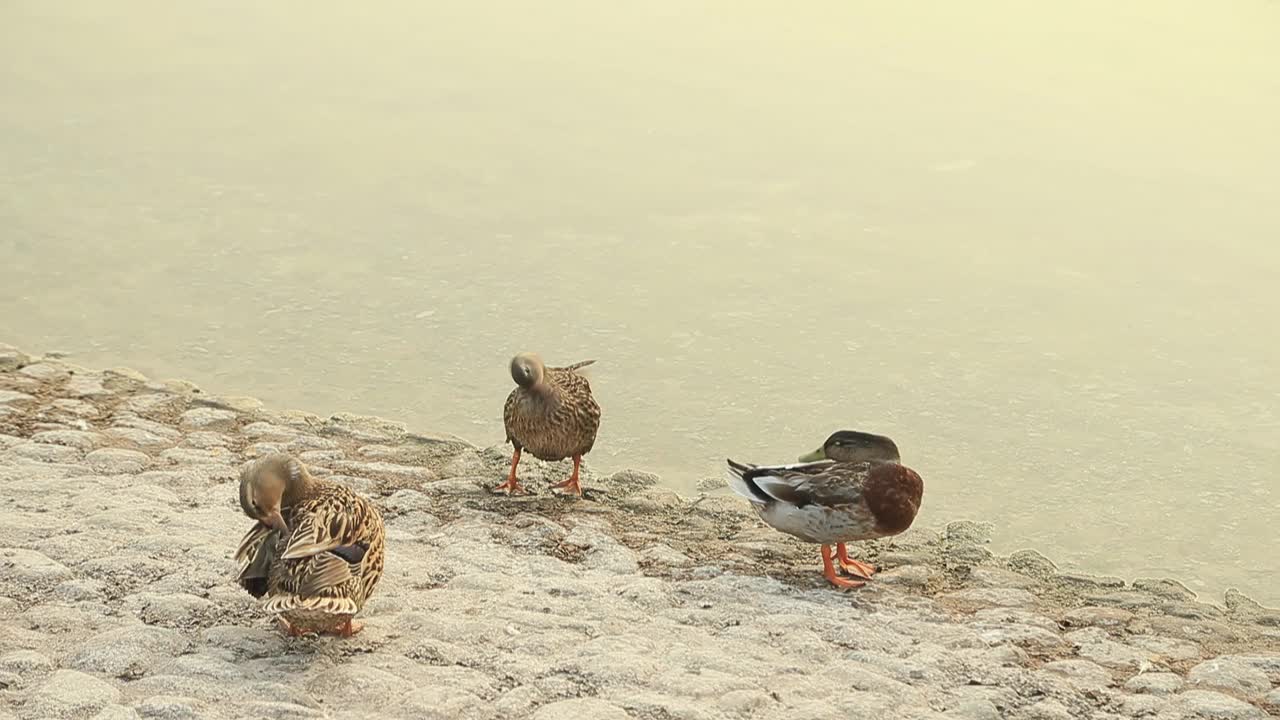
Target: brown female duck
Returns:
[[852, 488], [316, 552], [551, 414]]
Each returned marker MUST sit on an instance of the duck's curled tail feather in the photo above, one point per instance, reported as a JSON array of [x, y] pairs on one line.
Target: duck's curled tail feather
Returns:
[[737, 478]]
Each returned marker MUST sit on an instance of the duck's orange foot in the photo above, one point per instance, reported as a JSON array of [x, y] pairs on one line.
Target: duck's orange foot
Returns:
[[853, 567], [569, 486], [845, 583], [829, 570], [349, 628], [511, 487], [290, 630]]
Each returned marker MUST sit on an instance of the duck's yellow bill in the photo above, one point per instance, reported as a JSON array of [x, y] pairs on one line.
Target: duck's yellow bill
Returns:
[[815, 456]]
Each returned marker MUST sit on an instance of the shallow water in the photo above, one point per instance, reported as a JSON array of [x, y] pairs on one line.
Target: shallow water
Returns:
[[1035, 246]]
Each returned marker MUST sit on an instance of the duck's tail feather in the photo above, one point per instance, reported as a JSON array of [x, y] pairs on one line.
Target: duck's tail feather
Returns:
[[737, 479]]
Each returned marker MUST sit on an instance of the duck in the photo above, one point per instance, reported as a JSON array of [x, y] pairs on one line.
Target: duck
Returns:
[[315, 551], [552, 415], [852, 488]]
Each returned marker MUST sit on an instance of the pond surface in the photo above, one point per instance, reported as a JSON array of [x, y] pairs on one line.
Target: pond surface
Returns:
[[1037, 244]]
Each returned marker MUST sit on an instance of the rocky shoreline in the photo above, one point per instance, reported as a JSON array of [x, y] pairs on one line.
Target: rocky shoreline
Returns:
[[118, 520]]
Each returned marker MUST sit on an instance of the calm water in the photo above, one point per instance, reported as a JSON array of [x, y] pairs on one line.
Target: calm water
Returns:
[[1037, 246]]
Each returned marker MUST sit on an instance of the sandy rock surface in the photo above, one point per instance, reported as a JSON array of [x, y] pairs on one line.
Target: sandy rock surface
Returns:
[[118, 520]]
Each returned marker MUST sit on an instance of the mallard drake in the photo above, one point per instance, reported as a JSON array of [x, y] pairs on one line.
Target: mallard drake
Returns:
[[316, 550], [852, 488], [551, 414]]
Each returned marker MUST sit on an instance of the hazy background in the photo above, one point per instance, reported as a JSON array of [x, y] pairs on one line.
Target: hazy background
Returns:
[[1034, 242]]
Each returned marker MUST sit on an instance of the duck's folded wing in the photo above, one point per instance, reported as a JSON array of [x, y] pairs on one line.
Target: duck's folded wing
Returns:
[[253, 559], [820, 483], [323, 528]]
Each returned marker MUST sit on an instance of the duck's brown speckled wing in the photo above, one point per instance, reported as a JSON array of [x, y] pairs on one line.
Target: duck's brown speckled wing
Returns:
[[555, 423], [254, 558], [333, 558], [821, 483]]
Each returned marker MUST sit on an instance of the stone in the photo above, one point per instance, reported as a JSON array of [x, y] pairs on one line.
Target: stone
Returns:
[[991, 597], [973, 709], [128, 651], [1215, 706], [1080, 673], [117, 461], [10, 396], [1154, 683], [1165, 588], [1101, 617], [1230, 674], [68, 692], [585, 708], [168, 707], [1048, 710], [12, 359], [1166, 649], [27, 573], [1032, 563], [1094, 644], [991, 577], [205, 418], [79, 439], [45, 453], [913, 576], [25, 662]]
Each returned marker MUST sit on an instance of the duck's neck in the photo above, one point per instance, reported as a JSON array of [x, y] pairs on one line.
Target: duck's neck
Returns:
[[298, 488]]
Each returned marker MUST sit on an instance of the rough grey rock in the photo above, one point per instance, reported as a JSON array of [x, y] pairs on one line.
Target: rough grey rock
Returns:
[[1154, 683], [130, 650], [1231, 674], [113, 461], [206, 418], [70, 693], [1081, 673], [1215, 705]]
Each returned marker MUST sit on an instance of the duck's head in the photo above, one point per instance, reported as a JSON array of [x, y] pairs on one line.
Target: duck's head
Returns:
[[527, 370], [264, 485], [854, 446]]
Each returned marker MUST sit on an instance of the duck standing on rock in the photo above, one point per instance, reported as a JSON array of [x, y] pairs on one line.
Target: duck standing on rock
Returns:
[[316, 552], [551, 414], [852, 488]]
